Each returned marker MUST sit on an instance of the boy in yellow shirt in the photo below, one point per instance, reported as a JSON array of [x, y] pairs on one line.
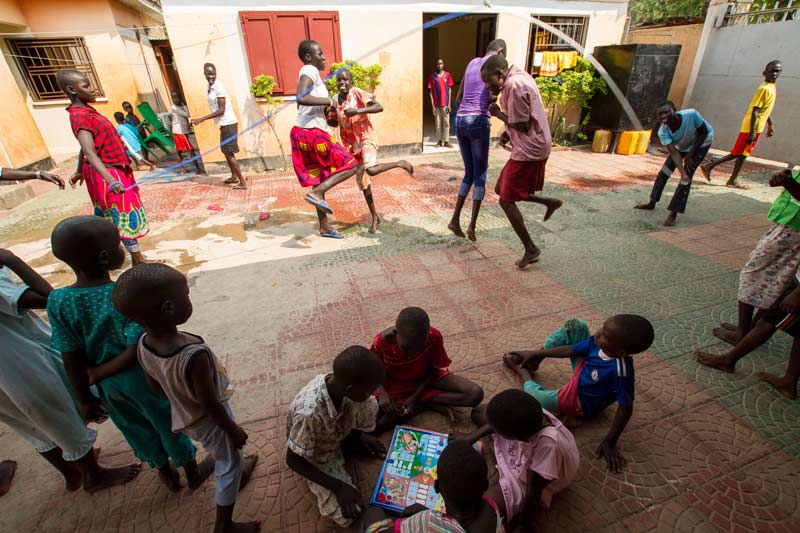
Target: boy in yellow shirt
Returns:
[[753, 124]]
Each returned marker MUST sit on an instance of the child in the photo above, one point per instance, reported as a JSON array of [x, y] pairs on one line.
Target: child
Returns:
[[131, 140], [104, 164], [462, 480], [417, 375], [755, 121], [331, 410], [98, 346], [355, 130], [182, 367], [35, 397], [319, 161], [529, 132], [536, 455], [181, 127], [440, 85], [133, 120], [222, 112], [603, 373]]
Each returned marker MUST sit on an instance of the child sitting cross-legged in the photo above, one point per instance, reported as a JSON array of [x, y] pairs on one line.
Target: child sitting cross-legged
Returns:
[[536, 455], [603, 373], [417, 374], [98, 346], [332, 411], [462, 481], [181, 367]]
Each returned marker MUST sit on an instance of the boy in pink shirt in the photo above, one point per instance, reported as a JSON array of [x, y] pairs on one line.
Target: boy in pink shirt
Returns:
[[536, 455], [529, 133]]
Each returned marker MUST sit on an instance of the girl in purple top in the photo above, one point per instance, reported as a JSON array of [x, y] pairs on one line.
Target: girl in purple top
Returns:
[[473, 131]]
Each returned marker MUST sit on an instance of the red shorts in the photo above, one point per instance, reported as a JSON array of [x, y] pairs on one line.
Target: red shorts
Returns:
[[741, 147], [520, 179], [316, 156], [182, 142]]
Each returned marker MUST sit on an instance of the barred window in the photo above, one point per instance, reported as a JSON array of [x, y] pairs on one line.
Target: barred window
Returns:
[[544, 41], [40, 59]]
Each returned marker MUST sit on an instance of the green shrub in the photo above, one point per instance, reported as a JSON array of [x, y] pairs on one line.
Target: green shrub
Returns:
[[262, 87], [364, 77]]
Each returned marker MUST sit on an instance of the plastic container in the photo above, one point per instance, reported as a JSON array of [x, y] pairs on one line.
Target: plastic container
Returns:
[[601, 141], [643, 142], [628, 141]]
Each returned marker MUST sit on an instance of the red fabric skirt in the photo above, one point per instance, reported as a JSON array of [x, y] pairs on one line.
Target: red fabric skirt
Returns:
[[182, 142], [316, 156], [520, 179]]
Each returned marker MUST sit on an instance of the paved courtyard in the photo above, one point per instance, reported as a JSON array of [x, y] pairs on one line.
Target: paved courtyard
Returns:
[[706, 451]]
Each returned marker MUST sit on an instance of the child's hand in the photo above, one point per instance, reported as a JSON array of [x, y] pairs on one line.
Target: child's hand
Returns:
[[349, 500], [411, 510], [373, 446], [238, 436], [351, 112], [385, 402], [76, 179], [614, 459], [91, 376], [408, 408], [52, 178], [92, 411]]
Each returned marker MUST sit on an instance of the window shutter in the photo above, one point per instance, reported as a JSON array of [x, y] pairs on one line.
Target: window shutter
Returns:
[[258, 29], [323, 27]]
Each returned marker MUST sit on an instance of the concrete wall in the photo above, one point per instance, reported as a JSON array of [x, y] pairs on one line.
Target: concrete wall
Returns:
[[688, 36], [387, 33], [729, 74], [116, 66]]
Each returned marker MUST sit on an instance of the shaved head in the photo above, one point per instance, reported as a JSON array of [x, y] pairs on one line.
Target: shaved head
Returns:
[[83, 241], [68, 78]]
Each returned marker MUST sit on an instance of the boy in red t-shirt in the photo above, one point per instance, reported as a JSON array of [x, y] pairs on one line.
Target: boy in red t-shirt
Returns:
[[440, 84], [417, 375], [353, 106]]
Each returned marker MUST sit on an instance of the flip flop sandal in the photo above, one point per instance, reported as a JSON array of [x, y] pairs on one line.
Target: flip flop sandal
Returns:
[[230, 180], [321, 204], [332, 235]]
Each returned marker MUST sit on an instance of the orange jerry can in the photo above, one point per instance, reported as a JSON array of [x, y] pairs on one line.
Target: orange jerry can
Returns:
[[601, 141], [643, 142], [627, 142]]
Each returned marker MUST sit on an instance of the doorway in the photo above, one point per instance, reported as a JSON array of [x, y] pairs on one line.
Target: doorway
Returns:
[[456, 42], [166, 62]]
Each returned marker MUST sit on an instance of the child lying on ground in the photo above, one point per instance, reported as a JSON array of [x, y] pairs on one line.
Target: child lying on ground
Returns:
[[462, 481], [331, 411], [98, 346], [417, 375], [785, 315], [181, 367], [603, 373], [536, 455]]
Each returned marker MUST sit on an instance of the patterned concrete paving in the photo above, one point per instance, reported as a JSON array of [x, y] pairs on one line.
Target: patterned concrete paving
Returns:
[[706, 451]]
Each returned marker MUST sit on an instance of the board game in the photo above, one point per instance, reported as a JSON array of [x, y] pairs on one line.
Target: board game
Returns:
[[409, 470]]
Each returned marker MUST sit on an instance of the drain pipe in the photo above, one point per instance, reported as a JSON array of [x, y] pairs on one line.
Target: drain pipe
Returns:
[[159, 103]]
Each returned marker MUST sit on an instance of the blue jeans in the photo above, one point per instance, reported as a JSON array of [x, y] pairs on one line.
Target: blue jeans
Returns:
[[473, 133], [681, 196]]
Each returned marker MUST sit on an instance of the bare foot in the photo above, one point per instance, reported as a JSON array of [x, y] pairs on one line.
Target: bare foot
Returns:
[[670, 220], [526, 360], [170, 477], [7, 471], [529, 257], [786, 387], [405, 165], [240, 527], [456, 229], [723, 333], [718, 361], [735, 185], [706, 170], [247, 469], [649, 206], [376, 220], [111, 477], [471, 234], [552, 209], [204, 469], [231, 180]]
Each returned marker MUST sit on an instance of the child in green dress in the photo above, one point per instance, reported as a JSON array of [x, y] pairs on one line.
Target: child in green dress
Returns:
[[98, 345]]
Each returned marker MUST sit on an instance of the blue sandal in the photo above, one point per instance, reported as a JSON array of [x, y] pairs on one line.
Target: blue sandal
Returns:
[[319, 204], [332, 235]]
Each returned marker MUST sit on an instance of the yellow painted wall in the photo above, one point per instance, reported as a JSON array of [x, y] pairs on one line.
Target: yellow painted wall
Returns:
[[10, 13], [688, 36]]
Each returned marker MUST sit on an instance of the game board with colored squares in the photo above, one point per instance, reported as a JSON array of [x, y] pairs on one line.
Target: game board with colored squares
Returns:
[[409, 471]]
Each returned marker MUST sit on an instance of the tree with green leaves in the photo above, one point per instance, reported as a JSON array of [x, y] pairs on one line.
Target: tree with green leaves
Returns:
[[655, 11]]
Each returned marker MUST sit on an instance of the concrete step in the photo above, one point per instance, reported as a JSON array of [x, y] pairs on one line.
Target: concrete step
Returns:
[[13, 195]]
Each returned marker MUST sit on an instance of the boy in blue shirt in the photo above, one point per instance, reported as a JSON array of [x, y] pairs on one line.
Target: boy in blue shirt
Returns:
[[603, 373], [131, 140], [687, 136]]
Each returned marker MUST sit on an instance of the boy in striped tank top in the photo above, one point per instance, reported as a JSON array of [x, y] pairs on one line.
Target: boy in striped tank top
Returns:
[[182, 367]]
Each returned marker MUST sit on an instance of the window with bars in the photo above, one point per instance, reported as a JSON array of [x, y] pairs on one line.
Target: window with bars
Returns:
[[40, 59], [544, 41]]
